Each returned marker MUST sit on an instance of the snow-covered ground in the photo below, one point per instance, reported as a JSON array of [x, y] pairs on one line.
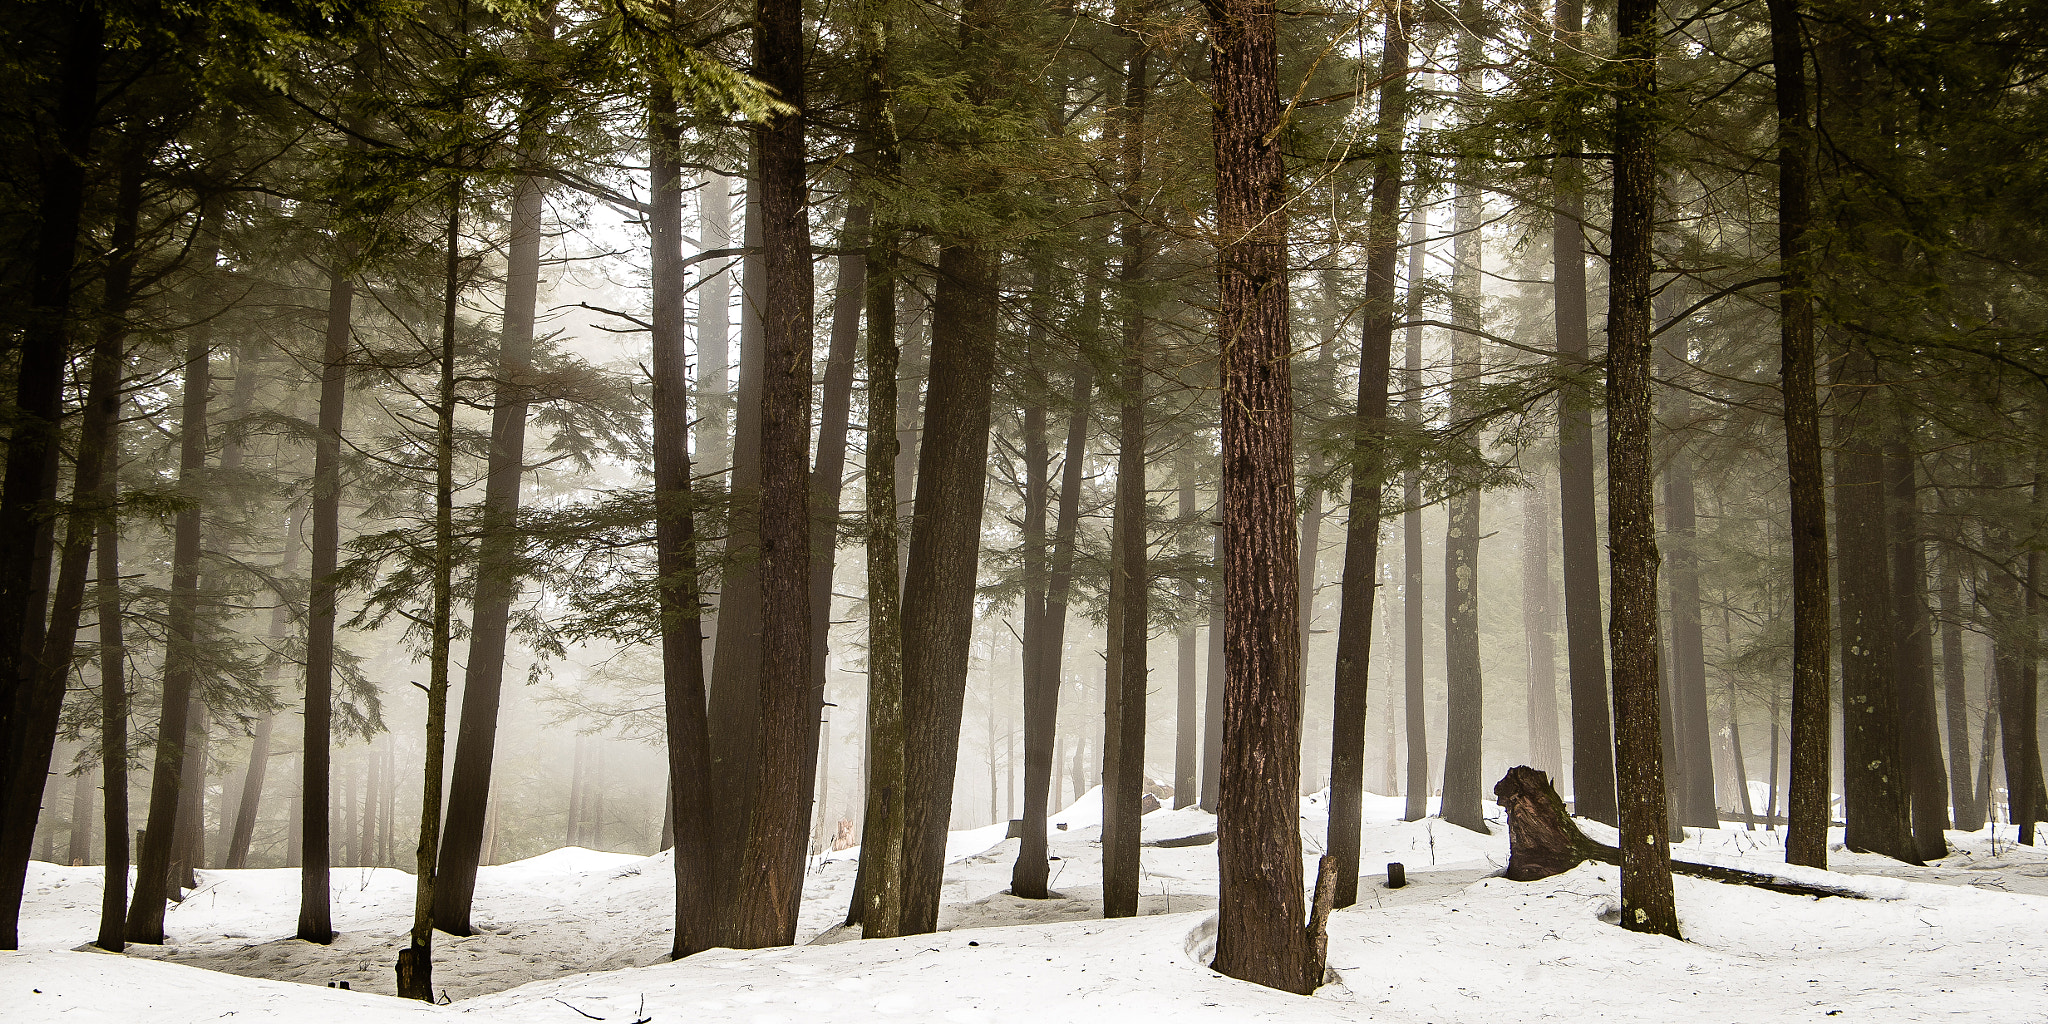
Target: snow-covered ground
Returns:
[[577, 934]]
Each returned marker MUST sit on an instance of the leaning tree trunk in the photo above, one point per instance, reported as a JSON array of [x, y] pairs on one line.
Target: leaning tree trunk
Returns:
[[497, 575], [686, 726], [1806, 839], [1586, 657], [154, 862], [1259, 936], [1368, 478], [1646, 896]]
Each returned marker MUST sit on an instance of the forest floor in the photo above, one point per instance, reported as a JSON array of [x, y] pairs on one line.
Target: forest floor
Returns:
[[577, 935]]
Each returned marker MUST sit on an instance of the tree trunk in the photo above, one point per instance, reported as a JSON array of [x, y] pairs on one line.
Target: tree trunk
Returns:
[[1592, 728], [1694, 768], [416, 961], [1187, 708], [237, 854], [497, 577], [1464, 719], [316, 919], [1646, 895], [1368, 475], [1126, 668], [685, 721], [1874, 796], [1969, 813], [29, 707], [714, 323], [153, 870], [113, 659], [945, 548], [1806, 840], [1546, 753], [1413, 700], [771, 875], [1260, 937], [1919, 721]]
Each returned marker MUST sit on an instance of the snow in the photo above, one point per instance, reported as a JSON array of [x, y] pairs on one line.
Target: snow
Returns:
[[577, 931]]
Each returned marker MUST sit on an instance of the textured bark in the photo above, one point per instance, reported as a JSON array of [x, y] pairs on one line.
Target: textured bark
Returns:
[[1874, 796], [1368, 474], [675, 547], [1963, 795], [28, 706], [1646, 896], [1464, 719], [945, 550], [1919, 720], [1806, 840], [1260, 936], [770, 883], [1413, 649], [316, 920], [497, 579], [154, 862], [416, 960], [1592, 728]]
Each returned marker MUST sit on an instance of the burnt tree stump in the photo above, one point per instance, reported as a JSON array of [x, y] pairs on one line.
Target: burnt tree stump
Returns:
[[1544, 841]]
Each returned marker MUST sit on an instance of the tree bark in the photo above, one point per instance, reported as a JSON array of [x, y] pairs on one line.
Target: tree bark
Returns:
[[1806, 840], [1646, 895], [1260, 936], [1592, 727], [1368, 473], [498, 581]]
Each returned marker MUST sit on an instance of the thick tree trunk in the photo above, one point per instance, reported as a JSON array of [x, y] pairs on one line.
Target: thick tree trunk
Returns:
[[1874, 796], [1919, 720], [28, 705], [1368, 475], [1646, 896], [1806, 840], [945, 549], [675, 545], [497, 578], [154, 864], [770, 882], [1260, 936], [316, 920], [1592, 728]]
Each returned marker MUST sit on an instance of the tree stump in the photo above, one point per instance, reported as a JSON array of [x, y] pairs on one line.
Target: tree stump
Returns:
[[1544, 841]]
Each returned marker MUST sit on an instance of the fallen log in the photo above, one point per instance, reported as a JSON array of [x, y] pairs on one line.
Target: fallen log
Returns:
[[1544, 841]]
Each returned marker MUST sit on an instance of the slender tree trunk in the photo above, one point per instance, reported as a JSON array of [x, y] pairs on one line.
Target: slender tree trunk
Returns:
[[154, 864], [1187, 713], [113, 724], [1592, 728], [682, 639], [1646, 896], [237, 855], [1260, 937], [1368, 476], [1546, 753], [771, 875], [497, 578], [316, 920], [1806, 840], [1969, 813], [714, 325], [416, 961], [2019, 700], [28, 705], [1414, 703], [1919, 719], [1693, 771]]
